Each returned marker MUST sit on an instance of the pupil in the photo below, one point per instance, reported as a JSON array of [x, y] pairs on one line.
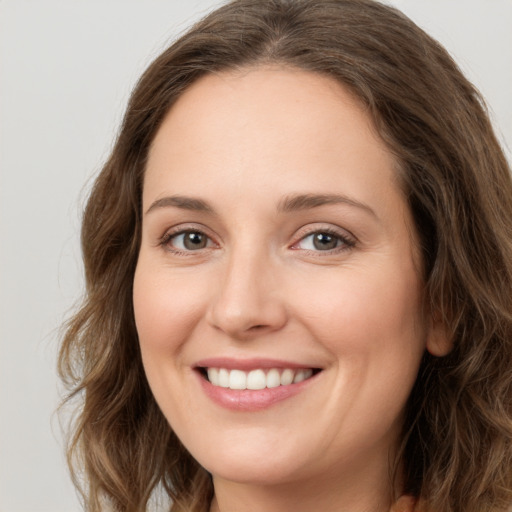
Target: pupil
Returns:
[[324, 241], [194, 241]]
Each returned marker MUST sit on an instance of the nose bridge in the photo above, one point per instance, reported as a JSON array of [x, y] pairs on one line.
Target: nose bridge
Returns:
[[248, 298]]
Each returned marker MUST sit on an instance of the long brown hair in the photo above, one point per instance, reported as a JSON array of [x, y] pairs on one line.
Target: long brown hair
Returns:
[[456, 449]]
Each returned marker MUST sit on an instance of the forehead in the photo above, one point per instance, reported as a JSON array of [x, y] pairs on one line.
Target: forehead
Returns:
[[276, 97], [262, 119]]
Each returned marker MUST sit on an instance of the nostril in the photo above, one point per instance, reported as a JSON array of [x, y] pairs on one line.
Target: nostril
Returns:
[[240, 317]]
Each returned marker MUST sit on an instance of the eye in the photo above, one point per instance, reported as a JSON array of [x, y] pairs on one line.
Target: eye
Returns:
[[185, 241], [323, 241]]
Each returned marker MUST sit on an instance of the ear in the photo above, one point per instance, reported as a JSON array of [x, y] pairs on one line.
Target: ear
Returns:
[[439, 339]]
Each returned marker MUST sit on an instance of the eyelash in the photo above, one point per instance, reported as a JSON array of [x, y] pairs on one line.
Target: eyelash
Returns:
[[346, 242], [165, 241]]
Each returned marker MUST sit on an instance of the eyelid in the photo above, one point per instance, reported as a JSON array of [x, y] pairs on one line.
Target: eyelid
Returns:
[[347, 238], [180, 229]]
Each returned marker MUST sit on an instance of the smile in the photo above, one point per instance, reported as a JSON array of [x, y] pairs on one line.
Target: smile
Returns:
[[257, 379], [252, 385]]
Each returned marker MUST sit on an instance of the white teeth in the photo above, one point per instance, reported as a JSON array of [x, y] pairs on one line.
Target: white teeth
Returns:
[[302, 375], [237, 379], [256, 379], [299, 377], [287, 377], [213, 376], [273, 378], [223, 378]]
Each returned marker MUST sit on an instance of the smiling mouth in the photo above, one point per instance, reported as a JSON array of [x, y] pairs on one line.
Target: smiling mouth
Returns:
[[256, 379]]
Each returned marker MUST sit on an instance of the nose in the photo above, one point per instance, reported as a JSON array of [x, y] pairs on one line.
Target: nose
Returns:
[[249, 301]]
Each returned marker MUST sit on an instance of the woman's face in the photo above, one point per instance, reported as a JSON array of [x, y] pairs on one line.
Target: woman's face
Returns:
[[278, 254]]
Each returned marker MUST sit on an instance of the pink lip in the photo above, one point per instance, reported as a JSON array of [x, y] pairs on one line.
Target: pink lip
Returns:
[[247, 364], [249, 400]]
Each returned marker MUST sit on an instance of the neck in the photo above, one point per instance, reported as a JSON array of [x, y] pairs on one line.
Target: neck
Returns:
[[364, 489]]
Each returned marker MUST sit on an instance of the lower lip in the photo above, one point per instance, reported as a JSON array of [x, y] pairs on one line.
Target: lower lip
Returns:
[[251, 400]]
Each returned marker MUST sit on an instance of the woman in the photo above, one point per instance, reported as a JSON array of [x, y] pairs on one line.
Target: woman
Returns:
[[299, 271]]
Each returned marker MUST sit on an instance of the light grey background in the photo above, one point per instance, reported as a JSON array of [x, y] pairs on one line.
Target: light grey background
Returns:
[[66, 69]]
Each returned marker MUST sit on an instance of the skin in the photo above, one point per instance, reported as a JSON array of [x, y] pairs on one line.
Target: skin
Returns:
[[244, 143]]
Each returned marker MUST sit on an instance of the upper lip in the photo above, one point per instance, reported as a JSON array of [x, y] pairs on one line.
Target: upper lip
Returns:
[[249, 364]]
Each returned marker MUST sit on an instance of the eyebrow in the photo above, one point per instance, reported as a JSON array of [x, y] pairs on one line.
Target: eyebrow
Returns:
[[183, 202], [308, 201], [289, 204]]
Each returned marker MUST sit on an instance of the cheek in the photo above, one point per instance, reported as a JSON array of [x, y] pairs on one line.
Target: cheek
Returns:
[[360, 306], [166, 308], [371, 323], [374, 330]]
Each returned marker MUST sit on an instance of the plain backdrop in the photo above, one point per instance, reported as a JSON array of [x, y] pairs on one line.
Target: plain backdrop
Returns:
[[66, 70]]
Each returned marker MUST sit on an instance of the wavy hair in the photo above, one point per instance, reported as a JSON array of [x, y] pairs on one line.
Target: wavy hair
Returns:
[[456, 449]]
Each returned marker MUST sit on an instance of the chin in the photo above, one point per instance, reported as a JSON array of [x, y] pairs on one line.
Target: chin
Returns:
[[255, 464], [260, 473]]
